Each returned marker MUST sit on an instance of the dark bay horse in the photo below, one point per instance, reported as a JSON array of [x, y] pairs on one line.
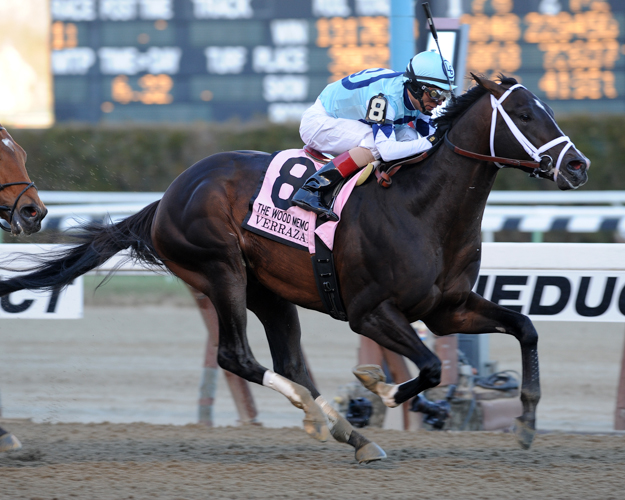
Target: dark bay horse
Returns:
[[404, 253], [21, 209]]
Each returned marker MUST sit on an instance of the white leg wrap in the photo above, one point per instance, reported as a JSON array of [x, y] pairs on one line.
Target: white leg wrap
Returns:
[[208, 390], [387, 393], [282, 385], [315, 422], [340, 428], [208, 386]]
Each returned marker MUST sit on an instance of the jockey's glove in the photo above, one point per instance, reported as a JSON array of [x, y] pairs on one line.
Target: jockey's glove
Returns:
[[436, 137]]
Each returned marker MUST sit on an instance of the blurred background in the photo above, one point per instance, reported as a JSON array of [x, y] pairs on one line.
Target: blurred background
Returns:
[[122, 95]]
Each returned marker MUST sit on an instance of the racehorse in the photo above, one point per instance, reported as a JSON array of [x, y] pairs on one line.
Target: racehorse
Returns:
[[21, 209], [404, 253]]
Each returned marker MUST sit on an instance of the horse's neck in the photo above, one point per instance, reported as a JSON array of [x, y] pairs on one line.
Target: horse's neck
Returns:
[[472, 132], [460, 186]]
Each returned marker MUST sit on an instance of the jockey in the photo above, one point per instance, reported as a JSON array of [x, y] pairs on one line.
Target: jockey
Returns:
[[365, 116]]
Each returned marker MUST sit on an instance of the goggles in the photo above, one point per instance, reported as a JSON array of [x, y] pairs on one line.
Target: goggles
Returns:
[[437, 94]]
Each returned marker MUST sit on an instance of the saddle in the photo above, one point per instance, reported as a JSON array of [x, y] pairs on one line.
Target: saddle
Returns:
[[383, 170]]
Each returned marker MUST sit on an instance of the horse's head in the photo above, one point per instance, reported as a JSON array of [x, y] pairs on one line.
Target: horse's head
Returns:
[[20, 205], [522, 125]]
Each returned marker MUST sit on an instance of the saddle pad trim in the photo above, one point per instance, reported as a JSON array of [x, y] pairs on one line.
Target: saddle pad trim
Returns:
[[272, 237]]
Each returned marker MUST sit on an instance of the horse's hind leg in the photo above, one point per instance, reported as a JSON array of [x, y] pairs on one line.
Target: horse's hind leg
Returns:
[[281, 322], [225, 285]]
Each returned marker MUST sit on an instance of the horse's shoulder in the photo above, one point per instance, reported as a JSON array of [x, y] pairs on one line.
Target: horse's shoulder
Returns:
[[242, 159], [236, 160]]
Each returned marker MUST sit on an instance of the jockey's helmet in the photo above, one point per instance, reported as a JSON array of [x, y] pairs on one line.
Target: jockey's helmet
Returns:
[[429, 68]]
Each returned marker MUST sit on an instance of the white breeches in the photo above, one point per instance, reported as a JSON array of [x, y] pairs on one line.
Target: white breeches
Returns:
[[334, 135]]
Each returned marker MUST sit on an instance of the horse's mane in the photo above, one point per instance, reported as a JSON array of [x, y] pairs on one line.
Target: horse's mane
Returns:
[[458, 106]]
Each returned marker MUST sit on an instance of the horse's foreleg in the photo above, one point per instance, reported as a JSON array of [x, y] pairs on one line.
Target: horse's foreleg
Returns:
[[388, 326], [478, 315], [281, 322]]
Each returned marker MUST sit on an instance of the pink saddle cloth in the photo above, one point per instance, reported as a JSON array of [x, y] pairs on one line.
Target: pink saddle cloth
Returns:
[[271, 214]]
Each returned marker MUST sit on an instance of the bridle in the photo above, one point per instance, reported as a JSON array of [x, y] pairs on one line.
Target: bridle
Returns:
[[543, 164], [7, 208]]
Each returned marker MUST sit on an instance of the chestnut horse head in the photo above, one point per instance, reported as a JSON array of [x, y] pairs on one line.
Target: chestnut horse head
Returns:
[[20, 205]]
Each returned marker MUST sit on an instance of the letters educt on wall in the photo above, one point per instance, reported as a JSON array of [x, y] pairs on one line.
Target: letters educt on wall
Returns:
[[557, 295]]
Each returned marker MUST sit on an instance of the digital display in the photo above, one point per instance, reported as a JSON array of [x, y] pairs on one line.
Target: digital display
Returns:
[[572, 51], [215, 60]]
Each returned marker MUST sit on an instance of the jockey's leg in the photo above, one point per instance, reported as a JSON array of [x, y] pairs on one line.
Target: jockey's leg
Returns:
[[310, 195], [362, 156], [351, 142]]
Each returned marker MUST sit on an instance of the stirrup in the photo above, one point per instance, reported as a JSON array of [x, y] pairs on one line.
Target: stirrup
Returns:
[[305, 201], [327, 214]]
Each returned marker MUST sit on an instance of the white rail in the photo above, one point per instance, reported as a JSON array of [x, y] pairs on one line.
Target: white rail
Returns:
[[97, 197], [556, 198], [546, 281], [527, 211], [495, 198]]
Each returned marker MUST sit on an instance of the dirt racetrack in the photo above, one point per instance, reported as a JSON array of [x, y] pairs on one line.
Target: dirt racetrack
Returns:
[[125, 365], [141, 461]]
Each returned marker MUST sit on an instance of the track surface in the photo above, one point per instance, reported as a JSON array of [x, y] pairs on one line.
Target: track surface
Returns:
[[143, 364], [141, 461]]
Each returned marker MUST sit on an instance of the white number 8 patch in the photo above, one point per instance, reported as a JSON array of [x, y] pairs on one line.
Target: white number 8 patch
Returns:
[[376, 112]]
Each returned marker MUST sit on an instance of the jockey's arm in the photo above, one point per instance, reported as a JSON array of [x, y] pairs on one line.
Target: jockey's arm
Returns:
[[394, 143], [391, 149]]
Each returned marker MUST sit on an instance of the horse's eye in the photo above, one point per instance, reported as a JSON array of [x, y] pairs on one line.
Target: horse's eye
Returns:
[[525, 117]]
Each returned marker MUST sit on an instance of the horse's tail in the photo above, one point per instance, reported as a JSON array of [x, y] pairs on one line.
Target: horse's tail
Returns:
[[98, 242]]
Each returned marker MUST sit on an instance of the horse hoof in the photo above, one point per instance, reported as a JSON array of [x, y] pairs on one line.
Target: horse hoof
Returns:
[[372, 377], [8, 442], [369, 375], [318, 430], [524, 433], [369, 453]]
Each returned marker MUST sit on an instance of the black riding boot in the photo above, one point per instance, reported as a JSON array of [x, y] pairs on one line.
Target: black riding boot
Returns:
[[310, 195]]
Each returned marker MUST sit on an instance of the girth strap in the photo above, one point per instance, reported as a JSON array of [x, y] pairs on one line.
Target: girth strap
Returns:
[[327, 280]]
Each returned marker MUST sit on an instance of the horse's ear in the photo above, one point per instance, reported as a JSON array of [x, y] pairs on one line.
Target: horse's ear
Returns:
[[493, 87]]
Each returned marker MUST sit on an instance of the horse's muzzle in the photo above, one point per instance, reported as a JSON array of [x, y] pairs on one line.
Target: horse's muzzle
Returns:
[[27, 219], [573, 172]]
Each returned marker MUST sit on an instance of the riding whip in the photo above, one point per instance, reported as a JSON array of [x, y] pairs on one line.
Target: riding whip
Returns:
[[428, 14]]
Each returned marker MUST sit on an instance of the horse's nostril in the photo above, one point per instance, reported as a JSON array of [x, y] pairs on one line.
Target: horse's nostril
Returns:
[[29, 212], [575, 165]]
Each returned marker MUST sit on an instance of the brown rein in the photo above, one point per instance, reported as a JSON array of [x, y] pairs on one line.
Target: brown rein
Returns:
[[384, 176], [507, 161]]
